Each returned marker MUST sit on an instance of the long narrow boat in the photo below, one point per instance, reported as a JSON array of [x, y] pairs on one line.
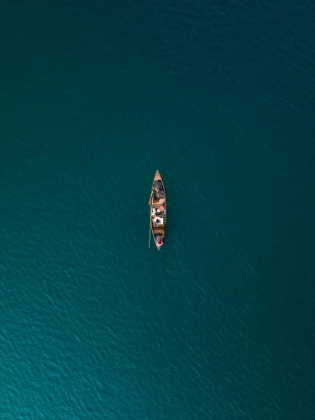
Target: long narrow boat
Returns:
[[157, 205]]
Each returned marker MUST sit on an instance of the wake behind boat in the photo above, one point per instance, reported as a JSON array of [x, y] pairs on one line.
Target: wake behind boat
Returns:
[[157, 205]]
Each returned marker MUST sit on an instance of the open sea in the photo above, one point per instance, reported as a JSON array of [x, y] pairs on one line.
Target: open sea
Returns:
[[219, 96]]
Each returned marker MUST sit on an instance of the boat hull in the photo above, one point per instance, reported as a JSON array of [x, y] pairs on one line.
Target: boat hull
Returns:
[[157, 205]]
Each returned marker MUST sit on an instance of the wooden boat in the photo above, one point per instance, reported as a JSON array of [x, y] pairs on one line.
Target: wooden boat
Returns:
[[157, 205]]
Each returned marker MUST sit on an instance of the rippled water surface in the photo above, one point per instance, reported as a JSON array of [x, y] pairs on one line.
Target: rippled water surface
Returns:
[[95, 96]]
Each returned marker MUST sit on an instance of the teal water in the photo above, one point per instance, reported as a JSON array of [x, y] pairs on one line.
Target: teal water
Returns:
[[94, 98]]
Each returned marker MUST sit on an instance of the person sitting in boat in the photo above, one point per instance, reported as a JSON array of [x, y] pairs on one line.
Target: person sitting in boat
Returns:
[[158, 221], [159, 239], [160, 210]]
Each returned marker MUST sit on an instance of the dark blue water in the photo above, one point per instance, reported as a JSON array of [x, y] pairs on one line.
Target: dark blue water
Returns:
[[95, 96]]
